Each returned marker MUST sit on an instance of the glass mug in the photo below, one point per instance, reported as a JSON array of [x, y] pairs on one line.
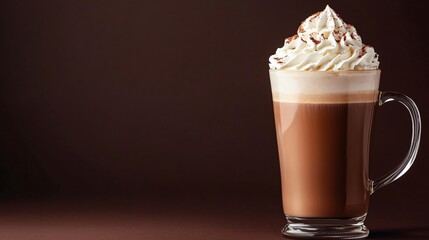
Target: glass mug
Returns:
[[323, 125]]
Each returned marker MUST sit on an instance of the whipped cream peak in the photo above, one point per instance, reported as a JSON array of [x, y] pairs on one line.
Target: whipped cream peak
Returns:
[[324, 42]]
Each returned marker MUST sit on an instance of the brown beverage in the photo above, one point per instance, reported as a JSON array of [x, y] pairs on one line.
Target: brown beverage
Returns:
[[324, 158], [323, 124]]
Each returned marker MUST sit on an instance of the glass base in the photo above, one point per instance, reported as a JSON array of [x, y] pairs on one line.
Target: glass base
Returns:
[[349, 228]]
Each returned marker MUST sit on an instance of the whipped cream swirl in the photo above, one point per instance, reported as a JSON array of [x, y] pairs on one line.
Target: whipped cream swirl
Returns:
[[325, 43]]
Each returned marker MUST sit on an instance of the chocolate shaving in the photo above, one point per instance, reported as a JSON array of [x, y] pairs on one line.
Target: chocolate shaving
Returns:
[[314, 16], [290, 39], [301, 28], [314, 40], [345, 42], [363, 51], [339, 18]]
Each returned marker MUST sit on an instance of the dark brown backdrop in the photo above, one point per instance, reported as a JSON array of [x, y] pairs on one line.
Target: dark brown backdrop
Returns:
[[171, 99]]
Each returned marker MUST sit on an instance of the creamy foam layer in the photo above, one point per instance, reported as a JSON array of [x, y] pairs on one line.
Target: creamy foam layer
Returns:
[[325, 87]]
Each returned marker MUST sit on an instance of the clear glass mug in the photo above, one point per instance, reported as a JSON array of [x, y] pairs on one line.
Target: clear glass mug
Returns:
[[323, 125]]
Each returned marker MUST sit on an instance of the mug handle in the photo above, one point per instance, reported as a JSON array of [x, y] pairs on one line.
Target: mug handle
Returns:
[[406, 163]]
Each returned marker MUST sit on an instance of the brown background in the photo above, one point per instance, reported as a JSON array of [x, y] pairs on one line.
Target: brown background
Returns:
[[168, 103]]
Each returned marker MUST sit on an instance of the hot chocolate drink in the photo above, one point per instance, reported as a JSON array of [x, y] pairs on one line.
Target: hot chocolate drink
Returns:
[[325, 84], [325, 159], [323, 135]]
